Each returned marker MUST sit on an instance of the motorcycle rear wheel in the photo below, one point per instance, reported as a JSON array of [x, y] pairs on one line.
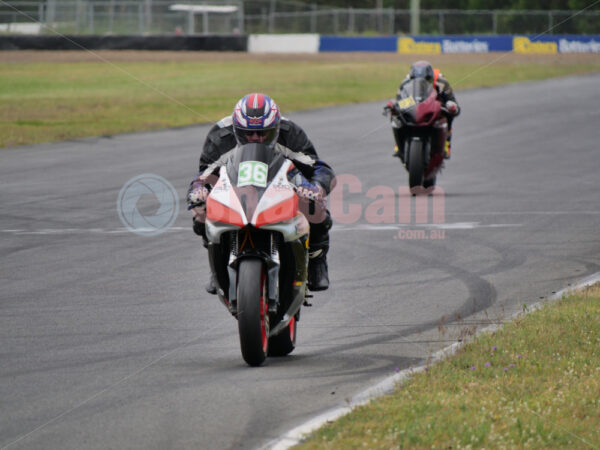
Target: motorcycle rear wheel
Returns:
[[252, 315], [415, 164], [285, 342]]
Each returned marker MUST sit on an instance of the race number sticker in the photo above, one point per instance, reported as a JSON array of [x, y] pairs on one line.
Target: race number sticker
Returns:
[[252, 172], [406, 103]]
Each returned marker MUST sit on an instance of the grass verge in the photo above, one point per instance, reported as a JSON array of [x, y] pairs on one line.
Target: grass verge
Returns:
[[53, 96], [533, 384]]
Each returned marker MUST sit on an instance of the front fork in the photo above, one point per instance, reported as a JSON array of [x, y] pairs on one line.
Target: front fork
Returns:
[[270, 258]]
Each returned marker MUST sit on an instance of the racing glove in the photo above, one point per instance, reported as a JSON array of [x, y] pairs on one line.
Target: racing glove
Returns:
[[390, 107], [197, 196], [452, 107], [313, 192], [196, 199]]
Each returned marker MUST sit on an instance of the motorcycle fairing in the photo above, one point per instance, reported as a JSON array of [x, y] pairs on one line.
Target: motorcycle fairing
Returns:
[[279, 202], [276, 210], [254, 152], [421, 113], [428, 110], [249, 214], [418, 88], [224, 212]]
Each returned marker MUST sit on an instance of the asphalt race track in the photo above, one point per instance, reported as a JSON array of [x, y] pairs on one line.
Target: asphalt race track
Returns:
[[108, 339]]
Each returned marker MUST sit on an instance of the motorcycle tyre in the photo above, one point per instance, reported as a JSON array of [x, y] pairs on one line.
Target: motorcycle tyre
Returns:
[[429, 183], [415, 164], [284, 343], [253, 316]]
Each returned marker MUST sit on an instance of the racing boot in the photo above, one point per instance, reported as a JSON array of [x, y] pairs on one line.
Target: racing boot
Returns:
[[211, 286], [318, 274], [399, 140], [447, 146]]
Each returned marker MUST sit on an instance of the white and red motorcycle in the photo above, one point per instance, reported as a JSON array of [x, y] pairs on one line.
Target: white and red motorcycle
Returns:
[[258, 249]]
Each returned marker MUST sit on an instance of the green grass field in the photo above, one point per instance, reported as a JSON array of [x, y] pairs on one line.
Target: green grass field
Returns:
[[533, 384], [42, 100]]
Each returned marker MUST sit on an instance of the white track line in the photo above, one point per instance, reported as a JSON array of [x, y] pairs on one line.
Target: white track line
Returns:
[[336, 227], [61, 231], [295, 436], [437, 226]]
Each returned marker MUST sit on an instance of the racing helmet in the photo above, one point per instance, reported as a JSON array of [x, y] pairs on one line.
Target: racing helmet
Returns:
[[421, 69], [256, 118]]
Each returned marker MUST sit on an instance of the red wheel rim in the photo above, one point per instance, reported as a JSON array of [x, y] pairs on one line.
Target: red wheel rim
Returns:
[[292, 329]]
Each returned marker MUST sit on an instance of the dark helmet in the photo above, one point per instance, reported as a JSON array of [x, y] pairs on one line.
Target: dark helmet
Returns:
[[421, 69], [256, 118]]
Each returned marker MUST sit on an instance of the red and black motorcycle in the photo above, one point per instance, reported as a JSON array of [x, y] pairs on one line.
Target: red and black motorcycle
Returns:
[[420, 126]]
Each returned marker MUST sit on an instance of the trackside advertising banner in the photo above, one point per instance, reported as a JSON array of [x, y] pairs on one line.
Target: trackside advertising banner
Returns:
[[428, 45], [358, 44]]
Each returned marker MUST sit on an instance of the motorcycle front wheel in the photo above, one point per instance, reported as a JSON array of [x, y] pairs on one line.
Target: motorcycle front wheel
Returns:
[[430, 183], [415, 164], [253, 315]]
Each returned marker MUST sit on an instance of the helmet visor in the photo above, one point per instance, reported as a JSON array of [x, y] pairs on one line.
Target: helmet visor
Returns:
[[254, 135], [421, 71]]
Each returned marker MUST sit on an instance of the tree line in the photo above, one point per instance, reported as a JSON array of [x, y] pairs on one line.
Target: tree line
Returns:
[[463, 4]]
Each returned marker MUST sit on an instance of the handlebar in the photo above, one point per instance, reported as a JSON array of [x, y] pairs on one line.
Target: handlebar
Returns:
[[391, 110]]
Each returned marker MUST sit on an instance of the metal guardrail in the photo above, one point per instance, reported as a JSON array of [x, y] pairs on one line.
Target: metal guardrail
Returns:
[[151, 17]]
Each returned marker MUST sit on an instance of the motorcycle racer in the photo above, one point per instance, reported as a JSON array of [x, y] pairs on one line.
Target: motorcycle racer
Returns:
[[256, 118], [424, 70]]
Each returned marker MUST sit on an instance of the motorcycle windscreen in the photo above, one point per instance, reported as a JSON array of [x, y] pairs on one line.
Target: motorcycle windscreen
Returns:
[[418, 88], [250, 169]]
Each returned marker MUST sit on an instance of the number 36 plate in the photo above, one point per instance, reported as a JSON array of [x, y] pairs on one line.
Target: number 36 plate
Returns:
[[252, 173]]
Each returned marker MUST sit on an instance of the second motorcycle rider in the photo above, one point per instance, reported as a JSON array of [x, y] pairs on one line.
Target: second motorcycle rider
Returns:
[[424, 70]]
